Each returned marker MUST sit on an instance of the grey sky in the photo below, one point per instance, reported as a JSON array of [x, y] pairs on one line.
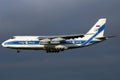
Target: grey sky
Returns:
[[52, 17]]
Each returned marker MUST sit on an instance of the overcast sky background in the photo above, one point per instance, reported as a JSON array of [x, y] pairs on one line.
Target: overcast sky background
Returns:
[[54, 17]]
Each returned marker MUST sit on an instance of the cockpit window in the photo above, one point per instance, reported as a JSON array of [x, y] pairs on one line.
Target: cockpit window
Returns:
[[12, 37]]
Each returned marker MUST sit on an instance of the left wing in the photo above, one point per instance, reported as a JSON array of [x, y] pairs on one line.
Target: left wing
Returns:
[[61, 36]]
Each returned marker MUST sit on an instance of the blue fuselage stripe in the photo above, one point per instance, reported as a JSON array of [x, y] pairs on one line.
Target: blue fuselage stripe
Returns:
[[38, 42], [89, 40]]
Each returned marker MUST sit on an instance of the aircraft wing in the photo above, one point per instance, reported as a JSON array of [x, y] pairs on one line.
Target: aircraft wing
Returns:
[[72, 36], [62, 36], [57, 39]]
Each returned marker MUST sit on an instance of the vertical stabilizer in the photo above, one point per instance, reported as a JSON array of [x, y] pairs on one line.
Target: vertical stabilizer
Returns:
[[97, 27], [97, 31]]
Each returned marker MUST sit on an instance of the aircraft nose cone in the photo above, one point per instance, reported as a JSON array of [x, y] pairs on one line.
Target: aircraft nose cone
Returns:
[[3, 44]]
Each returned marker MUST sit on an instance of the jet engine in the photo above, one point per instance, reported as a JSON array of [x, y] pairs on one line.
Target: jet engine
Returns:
[[45, 41], [56, 40]]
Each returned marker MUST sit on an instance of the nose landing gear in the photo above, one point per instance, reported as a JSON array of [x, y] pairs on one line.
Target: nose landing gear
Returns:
[[18, 51]]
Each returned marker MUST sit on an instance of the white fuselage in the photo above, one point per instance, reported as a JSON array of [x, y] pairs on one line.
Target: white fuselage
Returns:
[[33, 43], [58, 43]]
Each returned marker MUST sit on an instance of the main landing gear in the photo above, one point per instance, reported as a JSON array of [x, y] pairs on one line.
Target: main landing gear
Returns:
[[54, 50]]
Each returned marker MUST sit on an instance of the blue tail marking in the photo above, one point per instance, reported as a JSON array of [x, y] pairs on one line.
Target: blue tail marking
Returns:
[[99, 30]]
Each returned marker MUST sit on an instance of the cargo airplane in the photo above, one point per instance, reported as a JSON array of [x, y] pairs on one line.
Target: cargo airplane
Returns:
[[54, 44]]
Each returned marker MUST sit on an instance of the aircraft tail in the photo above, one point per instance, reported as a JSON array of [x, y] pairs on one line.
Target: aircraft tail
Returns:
[[98, 28], [97, 31]]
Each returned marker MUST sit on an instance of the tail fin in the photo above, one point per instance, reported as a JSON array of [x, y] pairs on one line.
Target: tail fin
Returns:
[[97, 31], [98, 28]]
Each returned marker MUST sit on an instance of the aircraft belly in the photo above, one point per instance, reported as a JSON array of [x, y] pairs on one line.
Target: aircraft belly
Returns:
[[26, 46]]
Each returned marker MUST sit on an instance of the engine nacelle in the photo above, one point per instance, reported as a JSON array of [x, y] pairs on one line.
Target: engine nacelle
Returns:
[[45, 41], [56, 40]]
